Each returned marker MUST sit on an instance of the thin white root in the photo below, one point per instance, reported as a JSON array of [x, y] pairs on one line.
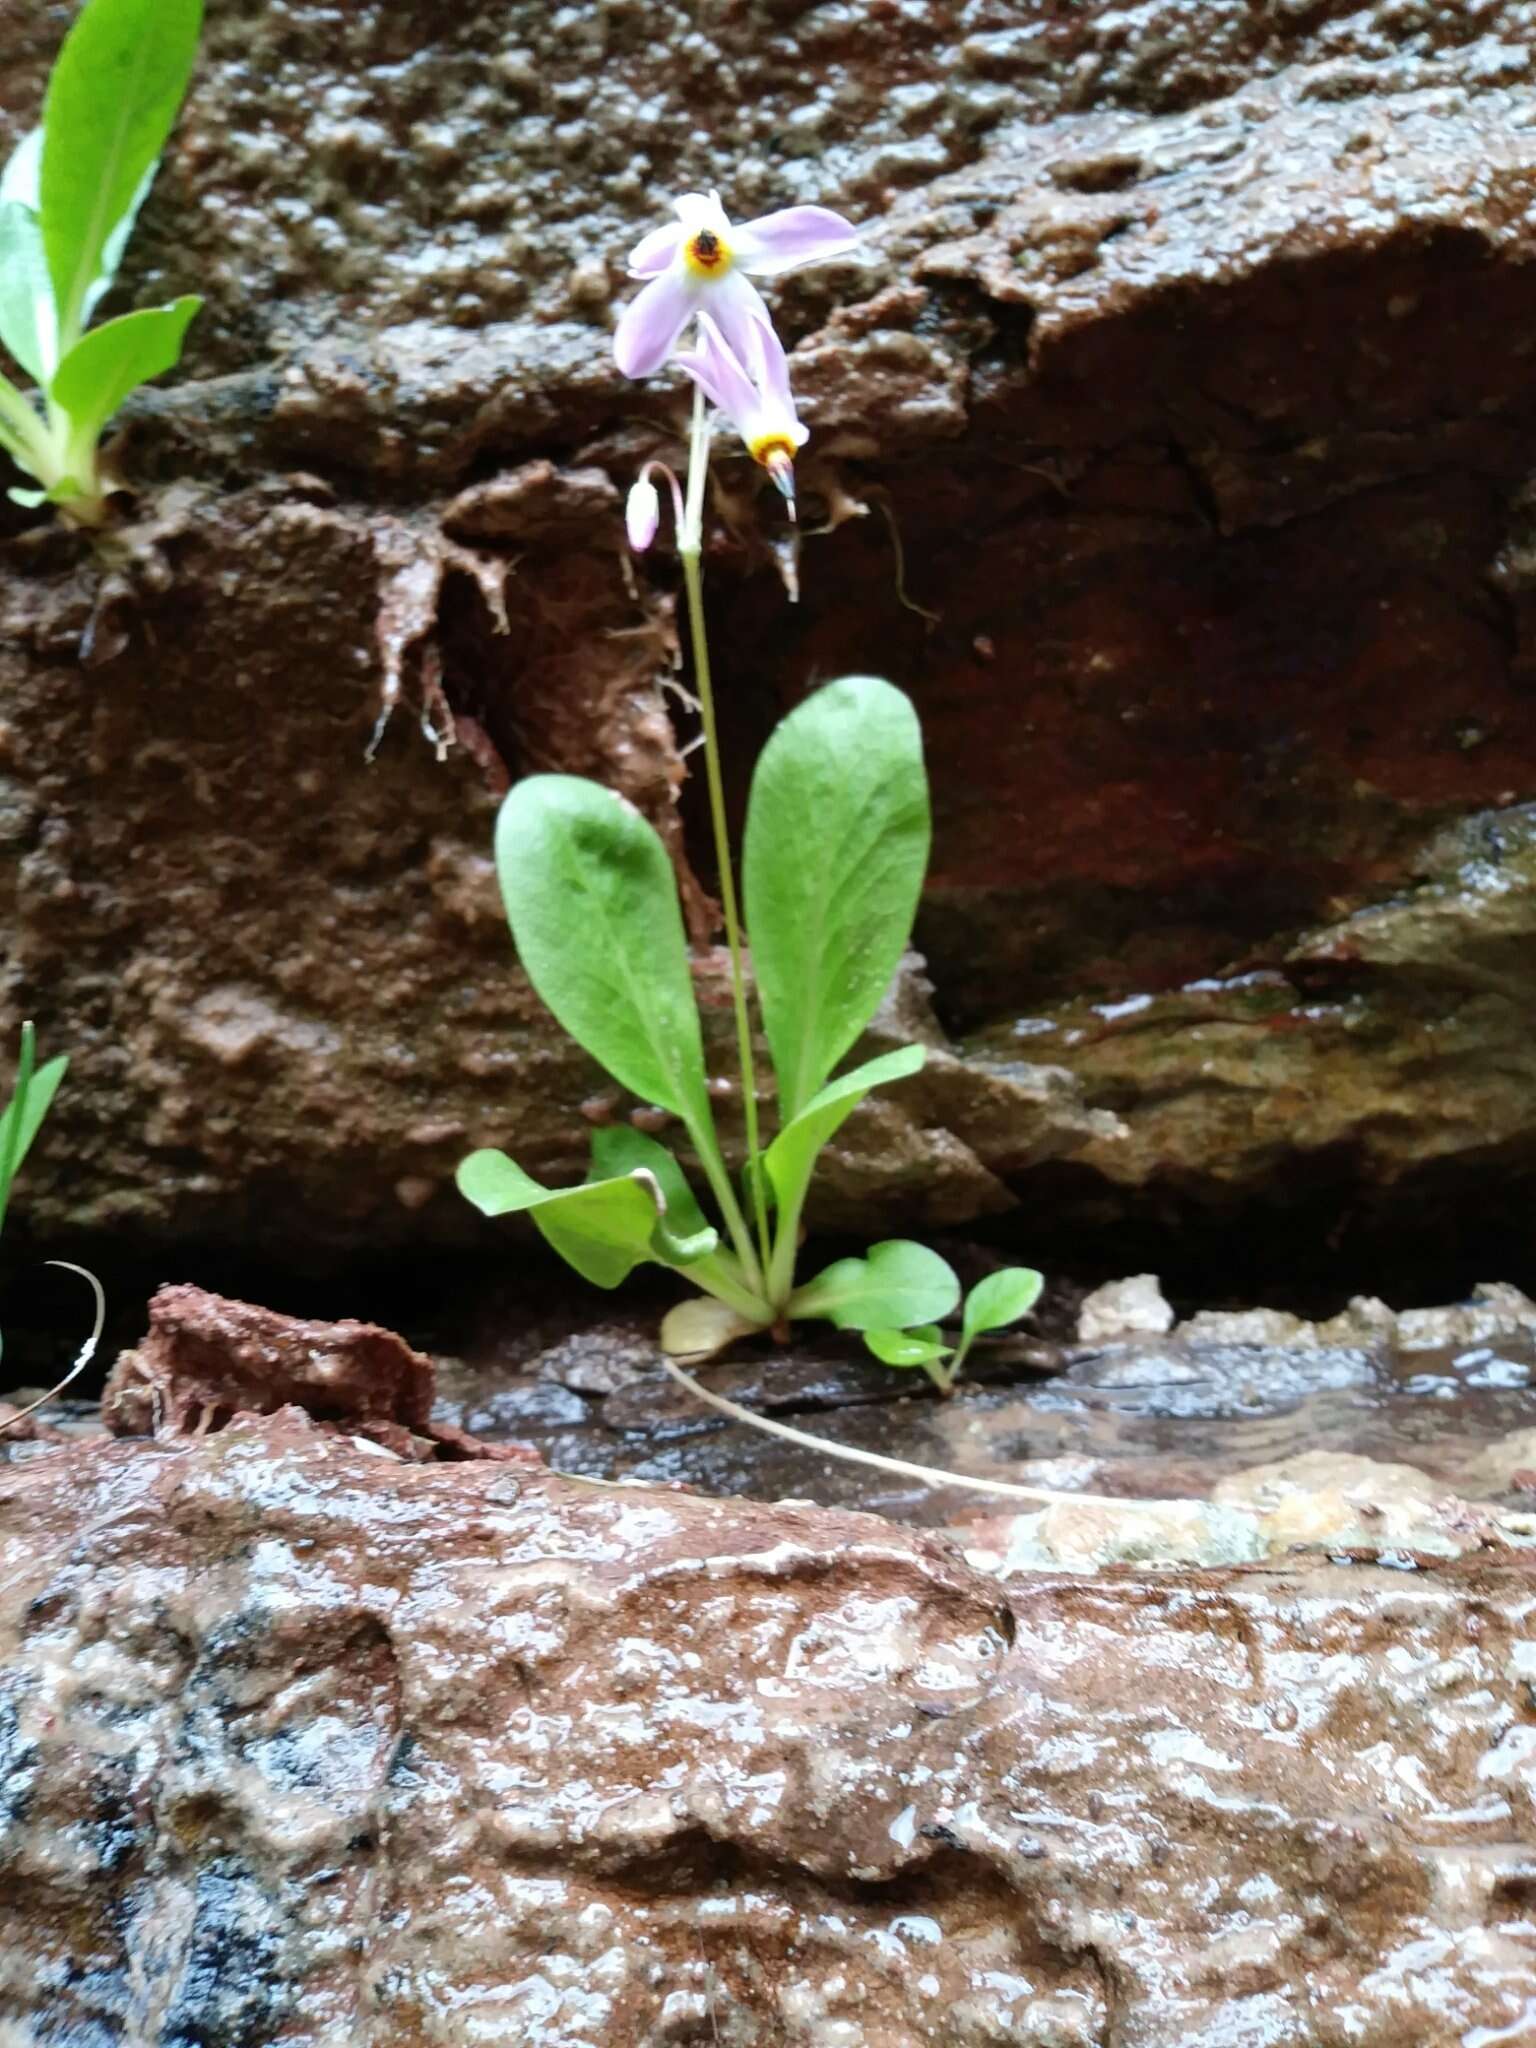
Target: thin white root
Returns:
[[87, 1351], [882, 499], [930, 1475]]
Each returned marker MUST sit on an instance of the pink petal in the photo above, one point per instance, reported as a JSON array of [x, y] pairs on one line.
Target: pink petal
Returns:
[[718, 374], [770, 370], [770, 366], [697, 365], [737, 309], [798, 234], [653, 252], [651, 324]]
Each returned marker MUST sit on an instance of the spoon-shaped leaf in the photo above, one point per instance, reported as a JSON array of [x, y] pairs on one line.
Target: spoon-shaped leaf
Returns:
[[835, 849], [620, 1148], [592, 901], [683, 1234], [897, 1285], [999, 1300], [993, 1304]]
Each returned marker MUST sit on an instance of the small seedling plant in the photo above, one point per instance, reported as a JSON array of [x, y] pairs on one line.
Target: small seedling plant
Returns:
[[68, 200], [31, 1098], [834, 854]]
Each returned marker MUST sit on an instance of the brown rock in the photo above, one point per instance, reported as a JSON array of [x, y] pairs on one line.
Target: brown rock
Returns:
[[206, 1361], [306, 1743], [282, 970], [1184, 380]]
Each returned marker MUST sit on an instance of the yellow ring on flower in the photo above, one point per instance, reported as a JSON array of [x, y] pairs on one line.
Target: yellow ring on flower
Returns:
[[707, 254], [765, 448]]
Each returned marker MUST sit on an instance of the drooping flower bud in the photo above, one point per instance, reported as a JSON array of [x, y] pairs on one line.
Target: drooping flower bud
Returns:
[[754, 396], [642, 514]]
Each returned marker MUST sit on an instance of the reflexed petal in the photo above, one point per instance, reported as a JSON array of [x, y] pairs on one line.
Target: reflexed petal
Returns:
[[798, 234], [736, 306], [651, 323], [697, 366], [721, 378], [770, 367], [653, 252]]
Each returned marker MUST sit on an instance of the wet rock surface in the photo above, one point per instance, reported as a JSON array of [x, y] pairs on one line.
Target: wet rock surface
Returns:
[[1374, 1431], [1188, 364], [282, 972], [305, 1740]]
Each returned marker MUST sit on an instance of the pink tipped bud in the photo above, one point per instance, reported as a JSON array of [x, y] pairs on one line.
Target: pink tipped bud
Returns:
[[642, 514]]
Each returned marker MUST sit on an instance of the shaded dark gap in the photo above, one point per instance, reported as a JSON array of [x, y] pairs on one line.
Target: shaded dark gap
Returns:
[[1318, 1242]]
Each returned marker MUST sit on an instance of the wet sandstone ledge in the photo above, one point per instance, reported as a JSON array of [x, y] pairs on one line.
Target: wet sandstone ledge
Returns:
[[304, 1740], [1190, 362], [339, 1722]]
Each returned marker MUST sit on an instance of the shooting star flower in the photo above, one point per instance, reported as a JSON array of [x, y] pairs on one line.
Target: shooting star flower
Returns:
[[758, 402], [698, 264]]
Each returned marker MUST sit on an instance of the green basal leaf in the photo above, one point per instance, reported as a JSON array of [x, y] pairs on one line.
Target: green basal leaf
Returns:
[[602, 1228], [791, 1158], [1000, 1299], [923, 1346], [30, 1102], [111, 361], [26, 297], [112, 102], [897, 1285], [993, 1304], [31, 499], [835, 850], [592, 901], [683, 1237]]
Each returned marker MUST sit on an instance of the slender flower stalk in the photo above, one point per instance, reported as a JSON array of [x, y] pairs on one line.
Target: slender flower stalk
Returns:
[[695, 268], [690, 548]]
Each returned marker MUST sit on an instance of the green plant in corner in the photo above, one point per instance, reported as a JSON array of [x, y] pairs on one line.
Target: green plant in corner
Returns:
[[68, 199], [31, 1098]]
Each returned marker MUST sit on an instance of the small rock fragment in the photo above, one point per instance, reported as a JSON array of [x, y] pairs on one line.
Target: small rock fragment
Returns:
[[1133, 1307]]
